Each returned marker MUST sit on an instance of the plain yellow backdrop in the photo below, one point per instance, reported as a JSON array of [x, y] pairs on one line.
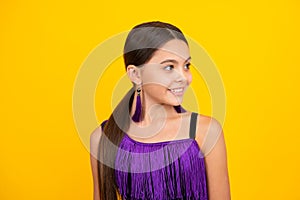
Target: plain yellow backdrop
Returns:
[[254, 44]]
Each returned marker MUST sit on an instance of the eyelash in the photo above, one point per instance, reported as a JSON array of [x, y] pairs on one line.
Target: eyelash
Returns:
[[172, 66], [188, 65]]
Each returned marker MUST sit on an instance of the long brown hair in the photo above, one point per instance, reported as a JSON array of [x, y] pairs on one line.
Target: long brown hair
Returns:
[[141, 43]]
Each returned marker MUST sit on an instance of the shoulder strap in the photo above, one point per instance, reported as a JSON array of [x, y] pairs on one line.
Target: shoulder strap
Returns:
[[193, 123]]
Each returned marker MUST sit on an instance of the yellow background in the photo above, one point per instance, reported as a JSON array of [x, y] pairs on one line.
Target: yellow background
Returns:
[[255, 45]]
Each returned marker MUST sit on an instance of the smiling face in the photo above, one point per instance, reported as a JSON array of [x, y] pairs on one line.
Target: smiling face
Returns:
[[166, 76]]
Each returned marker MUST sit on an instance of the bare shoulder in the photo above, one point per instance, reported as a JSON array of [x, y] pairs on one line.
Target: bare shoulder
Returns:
[[94, 140], [208, 132], [96, 133], [203, 122], [208, 122]]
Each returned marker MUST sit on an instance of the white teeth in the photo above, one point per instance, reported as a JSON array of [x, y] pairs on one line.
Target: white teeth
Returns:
[[176, 90]]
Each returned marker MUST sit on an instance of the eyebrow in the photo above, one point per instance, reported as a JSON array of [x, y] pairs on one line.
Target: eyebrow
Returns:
[[174, 61]]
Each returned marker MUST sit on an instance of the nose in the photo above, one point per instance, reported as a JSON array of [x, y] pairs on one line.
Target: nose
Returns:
[[180, 76]]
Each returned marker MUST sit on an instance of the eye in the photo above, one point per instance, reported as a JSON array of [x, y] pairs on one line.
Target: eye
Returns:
[[169, 67], [187, 66]]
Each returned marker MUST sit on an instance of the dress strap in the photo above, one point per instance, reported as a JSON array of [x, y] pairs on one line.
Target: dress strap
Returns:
[[193, 123]]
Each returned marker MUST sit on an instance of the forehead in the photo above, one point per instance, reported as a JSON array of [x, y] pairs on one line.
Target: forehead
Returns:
[[175, 49]]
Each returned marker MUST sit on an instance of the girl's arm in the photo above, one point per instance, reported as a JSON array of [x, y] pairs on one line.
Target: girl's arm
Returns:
[[216, 163], [94, 143]]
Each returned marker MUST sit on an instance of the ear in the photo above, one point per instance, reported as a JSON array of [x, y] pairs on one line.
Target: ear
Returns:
[[134, 74]]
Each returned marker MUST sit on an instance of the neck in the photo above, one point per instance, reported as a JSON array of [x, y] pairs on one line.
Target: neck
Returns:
[[153, 112]]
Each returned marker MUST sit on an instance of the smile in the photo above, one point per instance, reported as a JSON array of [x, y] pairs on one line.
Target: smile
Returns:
[[177, 91]]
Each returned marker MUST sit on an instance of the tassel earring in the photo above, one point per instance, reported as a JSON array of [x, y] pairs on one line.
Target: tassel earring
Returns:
[[138, 108], [179, 109]]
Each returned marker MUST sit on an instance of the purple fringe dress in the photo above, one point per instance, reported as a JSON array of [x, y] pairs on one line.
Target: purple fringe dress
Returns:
[[162, 170]]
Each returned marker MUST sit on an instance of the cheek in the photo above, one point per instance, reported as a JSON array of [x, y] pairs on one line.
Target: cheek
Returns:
[[154, 89], [157, 80], [189, 78]]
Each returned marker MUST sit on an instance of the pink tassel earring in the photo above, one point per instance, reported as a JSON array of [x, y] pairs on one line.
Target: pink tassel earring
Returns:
[[179, 109], [138, 108]]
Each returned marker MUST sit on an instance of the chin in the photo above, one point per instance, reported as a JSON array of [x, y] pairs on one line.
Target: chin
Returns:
[[175, 103], [172, 100]]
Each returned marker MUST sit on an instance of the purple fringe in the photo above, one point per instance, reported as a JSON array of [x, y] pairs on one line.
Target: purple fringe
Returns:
[[172, 170]]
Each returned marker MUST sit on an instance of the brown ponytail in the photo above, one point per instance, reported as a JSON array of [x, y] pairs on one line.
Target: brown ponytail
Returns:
[[141, 43]]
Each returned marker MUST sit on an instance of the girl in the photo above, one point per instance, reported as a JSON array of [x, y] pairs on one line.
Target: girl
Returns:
[[151, 147]]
